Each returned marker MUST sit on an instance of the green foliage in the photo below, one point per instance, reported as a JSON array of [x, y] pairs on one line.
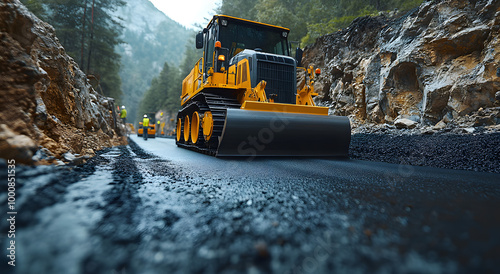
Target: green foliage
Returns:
[[36, 7], [102, 59], [143, 58], [409, 4], [337, 23], [165, 91], [310, 19], [151, 40], [191, 56], [281, 13], [245, 9]]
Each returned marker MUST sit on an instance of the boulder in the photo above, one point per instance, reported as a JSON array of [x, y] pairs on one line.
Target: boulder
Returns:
[[405, 123], [440, 125], [19, 147]]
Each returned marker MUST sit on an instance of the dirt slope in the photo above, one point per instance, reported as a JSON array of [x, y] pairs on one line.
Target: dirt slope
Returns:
[[47, 106]]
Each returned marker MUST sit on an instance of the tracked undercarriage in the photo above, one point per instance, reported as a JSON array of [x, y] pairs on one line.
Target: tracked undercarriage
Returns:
[[206, 110]]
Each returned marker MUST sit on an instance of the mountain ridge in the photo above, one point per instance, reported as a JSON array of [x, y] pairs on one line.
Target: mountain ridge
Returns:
[[151, 39]]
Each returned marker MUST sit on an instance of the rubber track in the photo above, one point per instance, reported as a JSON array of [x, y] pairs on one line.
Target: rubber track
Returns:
[[217, 104]]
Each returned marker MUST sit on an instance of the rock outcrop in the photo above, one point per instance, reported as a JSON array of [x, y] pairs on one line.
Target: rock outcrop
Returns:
[[438, 65], [46, 102]]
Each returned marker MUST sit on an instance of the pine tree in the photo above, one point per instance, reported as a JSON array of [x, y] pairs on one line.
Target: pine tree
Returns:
[[164, 93], [89, 33], [103, 36], [36, 7]]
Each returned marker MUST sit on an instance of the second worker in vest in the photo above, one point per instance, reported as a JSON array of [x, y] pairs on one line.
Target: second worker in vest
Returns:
[[145, 126]]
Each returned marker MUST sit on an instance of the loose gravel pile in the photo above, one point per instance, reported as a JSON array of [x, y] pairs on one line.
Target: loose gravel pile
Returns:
[[480, 152]]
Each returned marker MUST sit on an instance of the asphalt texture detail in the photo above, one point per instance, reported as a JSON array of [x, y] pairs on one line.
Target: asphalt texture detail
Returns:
[[151, 207]]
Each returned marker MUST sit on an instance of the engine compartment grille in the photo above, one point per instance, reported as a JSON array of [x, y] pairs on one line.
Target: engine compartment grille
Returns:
[[280, 78]]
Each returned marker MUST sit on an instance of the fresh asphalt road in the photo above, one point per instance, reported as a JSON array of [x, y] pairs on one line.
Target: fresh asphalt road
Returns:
[[151, 207], [304, 168], [436, 217]]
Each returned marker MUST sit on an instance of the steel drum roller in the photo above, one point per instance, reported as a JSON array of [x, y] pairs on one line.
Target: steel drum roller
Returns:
[[262, 133]]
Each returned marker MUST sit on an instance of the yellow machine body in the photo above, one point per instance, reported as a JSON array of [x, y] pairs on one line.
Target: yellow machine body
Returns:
[[151, 130], [246, 67]]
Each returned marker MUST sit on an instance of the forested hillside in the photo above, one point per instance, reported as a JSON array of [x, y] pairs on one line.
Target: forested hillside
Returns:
[[120, 45], [89, 33], [309, 20], [164, 92], [151, 39]]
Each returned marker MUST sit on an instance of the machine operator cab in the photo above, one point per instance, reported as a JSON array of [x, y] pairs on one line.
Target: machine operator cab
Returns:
[[228, 40], [239, 34]]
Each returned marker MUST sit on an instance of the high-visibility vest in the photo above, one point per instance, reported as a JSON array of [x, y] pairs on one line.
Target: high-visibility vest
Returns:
[[123, 113], [145, 122]]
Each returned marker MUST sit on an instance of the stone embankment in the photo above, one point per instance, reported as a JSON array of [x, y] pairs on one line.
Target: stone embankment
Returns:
[[48, 110], [436, 68], [421, 89]]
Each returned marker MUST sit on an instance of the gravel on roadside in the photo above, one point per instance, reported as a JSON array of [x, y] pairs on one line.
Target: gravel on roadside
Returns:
[[476, 152]]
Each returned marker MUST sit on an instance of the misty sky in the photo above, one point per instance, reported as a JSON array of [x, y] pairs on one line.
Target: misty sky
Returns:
[[188, 12]]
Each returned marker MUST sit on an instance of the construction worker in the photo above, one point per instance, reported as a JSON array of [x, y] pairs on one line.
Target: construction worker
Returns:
[[145, 126], [123, 115]]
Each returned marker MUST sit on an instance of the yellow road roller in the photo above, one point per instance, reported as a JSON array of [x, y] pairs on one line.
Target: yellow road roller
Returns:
[[241, 98]]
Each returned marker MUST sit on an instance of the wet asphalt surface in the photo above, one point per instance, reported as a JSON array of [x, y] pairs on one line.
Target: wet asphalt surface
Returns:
[[151, 207]]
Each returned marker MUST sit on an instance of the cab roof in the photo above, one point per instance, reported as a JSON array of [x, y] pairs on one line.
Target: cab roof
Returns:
[[231, 18]]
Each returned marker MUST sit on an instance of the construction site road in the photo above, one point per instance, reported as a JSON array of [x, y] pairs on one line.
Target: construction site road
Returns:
[[151, 207]]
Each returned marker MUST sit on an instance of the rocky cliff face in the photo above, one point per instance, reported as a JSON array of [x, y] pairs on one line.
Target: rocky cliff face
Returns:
[[434, 68], [47, 106]]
